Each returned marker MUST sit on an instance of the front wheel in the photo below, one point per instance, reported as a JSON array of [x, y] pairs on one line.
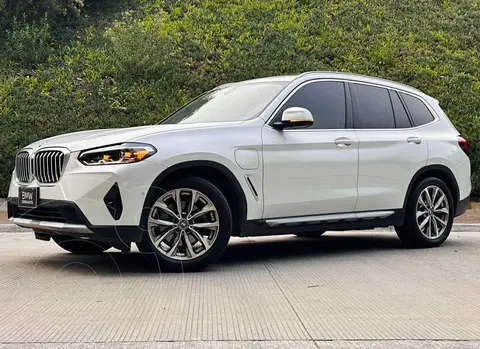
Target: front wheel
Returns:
[[429, 215], [81, 246], [189, 224]]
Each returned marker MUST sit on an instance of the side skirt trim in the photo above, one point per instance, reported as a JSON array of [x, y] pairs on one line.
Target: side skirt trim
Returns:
[[328, 218], [340, 221]]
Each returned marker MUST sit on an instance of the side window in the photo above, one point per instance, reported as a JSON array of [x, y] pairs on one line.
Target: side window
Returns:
[[373, 108], [418, 110], [325, 100], [401, 117]]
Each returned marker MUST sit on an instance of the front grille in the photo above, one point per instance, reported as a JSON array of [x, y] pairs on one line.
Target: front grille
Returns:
[[22, 167], [48, 165], [51, 211], [51, 214]]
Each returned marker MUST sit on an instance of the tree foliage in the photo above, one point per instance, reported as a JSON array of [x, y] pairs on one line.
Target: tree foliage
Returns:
[[34, 10]]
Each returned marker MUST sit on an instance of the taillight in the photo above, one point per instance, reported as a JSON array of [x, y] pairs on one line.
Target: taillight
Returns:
[[463, 143]]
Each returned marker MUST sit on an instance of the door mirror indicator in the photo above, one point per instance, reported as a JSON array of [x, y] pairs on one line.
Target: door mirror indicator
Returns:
[[294, 117]]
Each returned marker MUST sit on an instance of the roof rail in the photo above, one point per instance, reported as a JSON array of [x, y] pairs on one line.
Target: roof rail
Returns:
[[359, 75]]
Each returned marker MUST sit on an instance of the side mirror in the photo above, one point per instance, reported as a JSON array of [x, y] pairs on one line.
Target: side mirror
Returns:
[[294, 117]]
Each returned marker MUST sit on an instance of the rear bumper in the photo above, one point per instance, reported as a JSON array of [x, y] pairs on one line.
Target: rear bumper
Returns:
[[462, 206], [65, 218]]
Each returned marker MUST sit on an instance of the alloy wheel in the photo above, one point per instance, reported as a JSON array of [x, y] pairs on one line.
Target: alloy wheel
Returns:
[[183, 224], [432, 212]]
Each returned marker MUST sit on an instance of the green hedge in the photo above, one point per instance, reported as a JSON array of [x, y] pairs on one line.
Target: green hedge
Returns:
[[134, 66], [34, 10]]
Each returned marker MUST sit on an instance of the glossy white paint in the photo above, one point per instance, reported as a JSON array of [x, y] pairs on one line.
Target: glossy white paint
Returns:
[[306, 173], [216, 144], [443, 148], [247, 159], [294, 172], [387, 164], [87, 186]]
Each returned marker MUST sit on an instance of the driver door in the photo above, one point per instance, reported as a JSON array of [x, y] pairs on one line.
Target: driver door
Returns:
[[311, 171]]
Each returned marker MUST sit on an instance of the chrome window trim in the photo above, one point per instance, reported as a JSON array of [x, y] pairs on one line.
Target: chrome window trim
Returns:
[[436, 118], [296, 84], [292, 92]]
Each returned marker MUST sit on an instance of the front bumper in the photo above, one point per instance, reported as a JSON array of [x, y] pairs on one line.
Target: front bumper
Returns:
[[66, 218], [88, 186], [96, 202]]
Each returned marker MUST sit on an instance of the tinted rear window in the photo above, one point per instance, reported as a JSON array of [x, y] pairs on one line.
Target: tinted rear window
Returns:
[[401, 117], [418, 110], [373, 107]]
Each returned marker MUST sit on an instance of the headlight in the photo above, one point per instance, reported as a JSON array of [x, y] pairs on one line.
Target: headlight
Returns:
[[126, 153]]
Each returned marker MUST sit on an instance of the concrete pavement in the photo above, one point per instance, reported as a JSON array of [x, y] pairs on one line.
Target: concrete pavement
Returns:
[[256, 345], [343, 290]]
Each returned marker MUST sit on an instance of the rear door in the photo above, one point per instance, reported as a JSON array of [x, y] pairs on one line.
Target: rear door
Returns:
[[391, 150]]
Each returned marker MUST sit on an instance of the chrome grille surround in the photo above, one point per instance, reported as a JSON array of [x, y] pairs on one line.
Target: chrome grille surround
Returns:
[[48, 165], [23, 166], [45, 165]]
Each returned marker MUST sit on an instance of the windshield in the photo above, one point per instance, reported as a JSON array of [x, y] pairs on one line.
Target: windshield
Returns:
[[236, 102]]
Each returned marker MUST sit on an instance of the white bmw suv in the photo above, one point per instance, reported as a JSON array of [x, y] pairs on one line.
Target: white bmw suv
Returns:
[[282, 155]]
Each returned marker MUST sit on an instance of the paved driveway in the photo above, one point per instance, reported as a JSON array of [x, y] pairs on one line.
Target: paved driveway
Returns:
[[353, 290]]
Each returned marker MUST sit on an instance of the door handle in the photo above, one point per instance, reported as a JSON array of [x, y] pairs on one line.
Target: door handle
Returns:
[[343, 142], [416, 140]]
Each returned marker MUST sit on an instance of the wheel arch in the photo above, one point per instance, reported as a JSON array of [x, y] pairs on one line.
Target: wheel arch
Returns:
[[215, 173], [438, 171]]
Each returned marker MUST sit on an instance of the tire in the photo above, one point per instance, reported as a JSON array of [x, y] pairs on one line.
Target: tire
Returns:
[[410, 234], [314, 234], [81, 246], [186, 244]]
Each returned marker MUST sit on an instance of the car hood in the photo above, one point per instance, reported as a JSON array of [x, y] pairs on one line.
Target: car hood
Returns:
[[96, 138]]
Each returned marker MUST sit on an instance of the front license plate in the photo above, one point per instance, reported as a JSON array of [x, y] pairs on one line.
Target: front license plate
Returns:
[[28, 197]]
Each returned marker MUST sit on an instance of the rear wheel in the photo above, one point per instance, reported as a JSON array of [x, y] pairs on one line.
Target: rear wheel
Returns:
[[81, 246], [189, 225], [429, 215], [314, 234]]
